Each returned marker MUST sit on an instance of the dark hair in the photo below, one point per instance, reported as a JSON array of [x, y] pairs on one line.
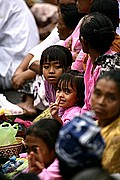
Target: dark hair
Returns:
[[70, 15], [68, 171], [26, 176], [59, 53], [3, 177], [96, 173], [98, 31], [111, 75], [110, 8], [76, 80], [47, 130]]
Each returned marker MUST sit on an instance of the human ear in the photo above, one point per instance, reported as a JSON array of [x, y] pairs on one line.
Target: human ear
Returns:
[[84, 45]]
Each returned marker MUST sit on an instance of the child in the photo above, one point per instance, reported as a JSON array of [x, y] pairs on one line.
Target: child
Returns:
[[106, 105], [40, 146], [96, 36], [69, 95], [54, 61]]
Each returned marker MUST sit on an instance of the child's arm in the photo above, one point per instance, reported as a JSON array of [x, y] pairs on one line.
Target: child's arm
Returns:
[[54, 107]]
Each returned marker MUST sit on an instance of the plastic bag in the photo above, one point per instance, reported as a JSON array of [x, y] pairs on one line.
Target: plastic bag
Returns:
[[8, 133]]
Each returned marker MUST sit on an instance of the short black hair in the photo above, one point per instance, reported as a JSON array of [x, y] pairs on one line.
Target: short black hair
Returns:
[[59, 53], [110, 8]]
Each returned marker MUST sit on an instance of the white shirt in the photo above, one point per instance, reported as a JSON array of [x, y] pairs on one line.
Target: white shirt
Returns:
[[52, 39], [18, 34], [118, 29]]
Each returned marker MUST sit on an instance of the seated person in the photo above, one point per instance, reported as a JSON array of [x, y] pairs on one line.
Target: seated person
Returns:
[[106, 105], [40, 145], [18, 34], [79, 146]]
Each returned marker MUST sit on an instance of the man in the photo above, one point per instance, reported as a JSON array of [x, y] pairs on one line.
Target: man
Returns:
[[18, 34]]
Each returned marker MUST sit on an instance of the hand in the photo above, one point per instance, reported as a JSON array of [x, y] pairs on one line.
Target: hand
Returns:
[[69, 44], [17, 81], [54, 107], [35, 162]]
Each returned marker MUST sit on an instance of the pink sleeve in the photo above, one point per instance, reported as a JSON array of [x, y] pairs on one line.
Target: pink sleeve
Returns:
[[51, 173], [70, 113], [78, 64]]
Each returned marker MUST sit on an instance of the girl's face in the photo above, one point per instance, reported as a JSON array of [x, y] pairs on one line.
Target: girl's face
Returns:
[[67, 96], [63, 30], [106, 101], [52, 71], [32, 143]]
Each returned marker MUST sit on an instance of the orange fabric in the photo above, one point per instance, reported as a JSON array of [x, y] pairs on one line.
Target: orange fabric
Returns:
[[116, 44]]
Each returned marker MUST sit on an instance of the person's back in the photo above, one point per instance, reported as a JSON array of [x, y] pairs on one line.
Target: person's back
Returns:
[[73, 42], [18, 34]]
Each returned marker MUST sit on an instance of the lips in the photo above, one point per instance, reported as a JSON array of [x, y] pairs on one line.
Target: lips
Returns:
[[62, 101], [99, 110], [51, 77]]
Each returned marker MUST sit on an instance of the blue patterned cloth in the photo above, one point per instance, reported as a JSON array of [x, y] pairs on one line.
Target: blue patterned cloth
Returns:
[[80, 142]]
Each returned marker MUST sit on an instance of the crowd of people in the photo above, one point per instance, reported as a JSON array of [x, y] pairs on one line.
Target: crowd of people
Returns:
[[73, 77]]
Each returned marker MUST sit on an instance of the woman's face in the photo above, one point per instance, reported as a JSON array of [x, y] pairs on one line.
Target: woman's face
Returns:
[[83, 5], [106, 101], [63, 30], [32, 143]]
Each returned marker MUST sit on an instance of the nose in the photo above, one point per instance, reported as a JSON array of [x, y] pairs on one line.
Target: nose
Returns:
[[101, 100], [51, 71], [61, 94]]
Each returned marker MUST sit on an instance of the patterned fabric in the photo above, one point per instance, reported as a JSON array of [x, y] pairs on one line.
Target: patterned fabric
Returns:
[[80, 142], [44, 114], [50, 92], [27, 88], [111, 155], [108, 62], [40, 101]]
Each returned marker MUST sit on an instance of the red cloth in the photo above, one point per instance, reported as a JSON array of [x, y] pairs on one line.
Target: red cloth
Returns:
[[23, 122]]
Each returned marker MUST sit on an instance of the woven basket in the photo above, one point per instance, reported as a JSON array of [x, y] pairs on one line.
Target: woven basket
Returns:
[[12, 149]]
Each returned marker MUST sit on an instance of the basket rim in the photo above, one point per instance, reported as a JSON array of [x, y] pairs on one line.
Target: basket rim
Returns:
[[17, 142]]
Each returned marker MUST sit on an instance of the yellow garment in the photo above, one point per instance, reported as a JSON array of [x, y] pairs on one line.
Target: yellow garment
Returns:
[[44, 114], [116, 44], [111, 154]]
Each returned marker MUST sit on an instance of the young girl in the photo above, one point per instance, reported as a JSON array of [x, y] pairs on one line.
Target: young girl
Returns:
[[69, 95], [55, 60], [96, 36], [106, 105], [40, 146]]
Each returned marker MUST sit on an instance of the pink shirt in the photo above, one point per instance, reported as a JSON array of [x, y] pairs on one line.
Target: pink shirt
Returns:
[[70, 113], [74, 37], [90, 80], [51, 173]]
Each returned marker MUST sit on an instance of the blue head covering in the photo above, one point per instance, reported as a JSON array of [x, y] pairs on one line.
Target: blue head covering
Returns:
[[79, 142]]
